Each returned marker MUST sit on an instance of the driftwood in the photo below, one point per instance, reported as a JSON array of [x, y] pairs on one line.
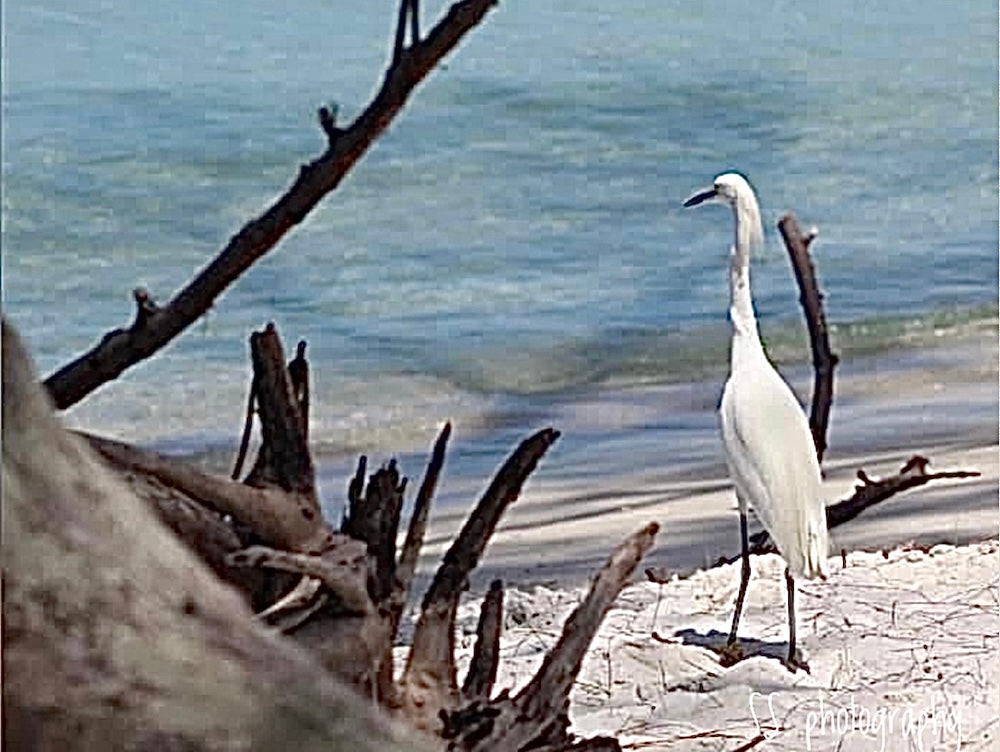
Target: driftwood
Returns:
[[346, 606], [154, 326], [811, 299], [429, 683], [116, 637], [283, 519], [283, 459], [535, 718]]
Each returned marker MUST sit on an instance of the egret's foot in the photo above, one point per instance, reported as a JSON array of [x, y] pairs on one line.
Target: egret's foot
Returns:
[[795, 662], [731, 654]]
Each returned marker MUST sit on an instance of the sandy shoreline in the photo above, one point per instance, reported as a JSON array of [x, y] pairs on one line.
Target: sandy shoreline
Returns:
[[541, 543], [940, 402]]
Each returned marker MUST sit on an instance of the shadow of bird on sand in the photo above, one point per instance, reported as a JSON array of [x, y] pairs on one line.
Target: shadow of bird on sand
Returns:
[[743, 648]]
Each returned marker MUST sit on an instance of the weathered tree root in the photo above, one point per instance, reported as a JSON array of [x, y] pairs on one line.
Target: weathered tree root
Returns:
[[347, 605], [285, 520], [429, 682], [341, 569], [116, 638], [535, 718]]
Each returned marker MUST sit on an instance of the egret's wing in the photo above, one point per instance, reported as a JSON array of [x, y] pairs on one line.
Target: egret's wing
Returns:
[[773, 463]]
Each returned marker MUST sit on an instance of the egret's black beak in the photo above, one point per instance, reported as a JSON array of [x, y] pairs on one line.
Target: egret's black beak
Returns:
[[700, 197]]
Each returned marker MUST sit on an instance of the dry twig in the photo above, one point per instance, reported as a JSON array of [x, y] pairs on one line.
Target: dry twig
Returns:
[[155, 326], [824, 361]]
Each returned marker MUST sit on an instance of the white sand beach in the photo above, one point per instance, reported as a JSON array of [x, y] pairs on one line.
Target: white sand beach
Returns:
[[901, 640], [902, 650]]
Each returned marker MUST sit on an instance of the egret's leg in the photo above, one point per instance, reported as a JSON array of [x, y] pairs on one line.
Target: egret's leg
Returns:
[[744, 576], [791, 615]]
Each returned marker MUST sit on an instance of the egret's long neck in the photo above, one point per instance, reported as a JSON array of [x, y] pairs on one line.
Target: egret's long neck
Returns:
[[748, 235]]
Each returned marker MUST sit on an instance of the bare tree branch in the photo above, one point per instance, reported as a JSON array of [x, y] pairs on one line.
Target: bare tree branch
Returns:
[[410, 553], [284, 520], [811, 299], [866, 494], [123, 348], [247, 429], [284, 458], [870, 492], [536, 717], [429, 681]]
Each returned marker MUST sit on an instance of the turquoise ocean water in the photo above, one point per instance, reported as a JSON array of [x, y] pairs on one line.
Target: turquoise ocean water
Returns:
[[512, 253]]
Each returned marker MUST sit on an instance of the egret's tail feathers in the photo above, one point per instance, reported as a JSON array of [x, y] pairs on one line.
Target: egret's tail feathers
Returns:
[[815, 549]]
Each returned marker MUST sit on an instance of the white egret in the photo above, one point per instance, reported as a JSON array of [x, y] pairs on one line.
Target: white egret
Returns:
[[768, 446]]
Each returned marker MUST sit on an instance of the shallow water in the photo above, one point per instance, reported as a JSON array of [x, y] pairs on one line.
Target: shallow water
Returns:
[[513, 251]]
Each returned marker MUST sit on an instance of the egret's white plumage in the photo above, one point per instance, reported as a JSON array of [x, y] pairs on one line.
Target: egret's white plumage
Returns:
[[769, 448], [772, 460]]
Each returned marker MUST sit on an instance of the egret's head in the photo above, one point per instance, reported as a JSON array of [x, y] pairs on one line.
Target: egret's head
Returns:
[[732, 189], [728, 188]]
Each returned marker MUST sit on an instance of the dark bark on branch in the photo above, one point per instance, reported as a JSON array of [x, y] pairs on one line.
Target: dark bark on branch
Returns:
[[429, 683], [123, 348], [536, 717], [478, 685], [284, 459], [866, 494], [373, 518], [595, 744], [747, 746], [824, 361], [870, 492], [413, 8], [298, 372]]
